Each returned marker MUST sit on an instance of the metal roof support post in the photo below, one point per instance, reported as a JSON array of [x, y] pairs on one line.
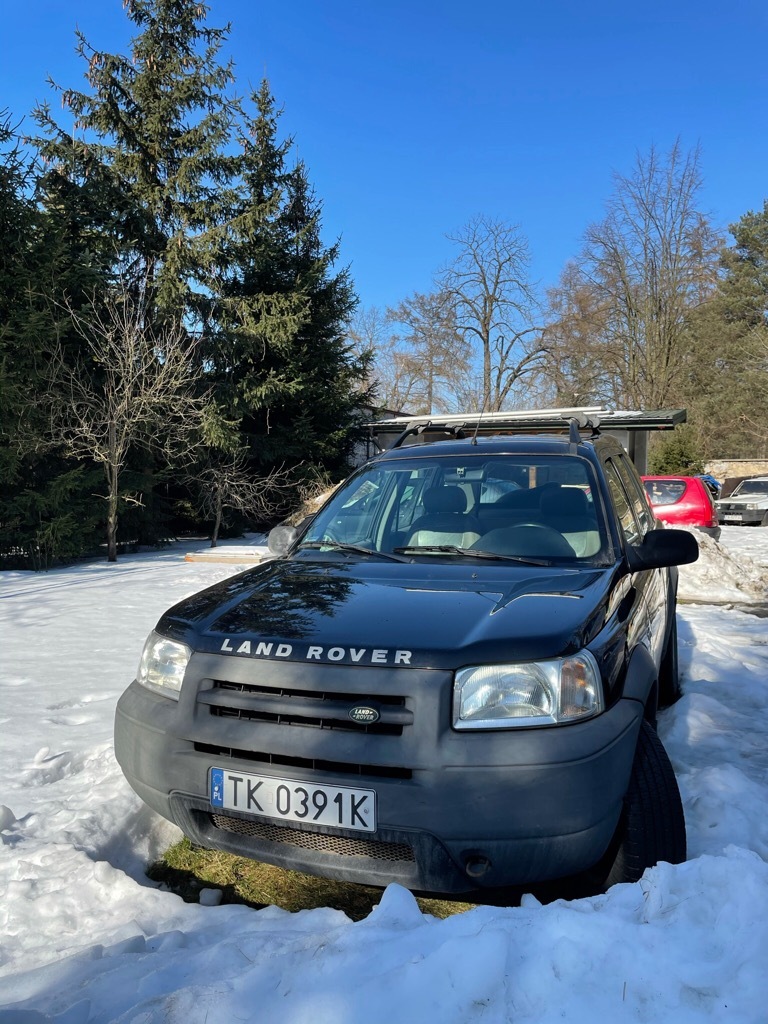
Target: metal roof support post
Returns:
[[638, 449]]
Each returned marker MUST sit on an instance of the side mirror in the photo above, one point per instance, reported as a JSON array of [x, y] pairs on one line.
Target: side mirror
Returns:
[[662, 548], [281, 539]]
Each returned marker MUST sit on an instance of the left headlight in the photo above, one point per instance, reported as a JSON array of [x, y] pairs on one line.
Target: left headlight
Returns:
[[553, 692], [162, 666]]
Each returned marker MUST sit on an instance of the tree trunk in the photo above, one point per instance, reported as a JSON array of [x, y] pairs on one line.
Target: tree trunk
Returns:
[[112, 528], [486, 377], [217, 523], [113, 477]]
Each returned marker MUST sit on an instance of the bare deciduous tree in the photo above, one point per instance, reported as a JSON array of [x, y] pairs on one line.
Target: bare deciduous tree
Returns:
[[369, 336], [494, 305], [131, 388], [400, 373], [643, 270], [429, 352], [226, 483], [398, 377], [578, 371]]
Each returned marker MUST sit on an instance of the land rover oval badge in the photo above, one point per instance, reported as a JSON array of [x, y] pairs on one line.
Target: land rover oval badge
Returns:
[[363, 714]]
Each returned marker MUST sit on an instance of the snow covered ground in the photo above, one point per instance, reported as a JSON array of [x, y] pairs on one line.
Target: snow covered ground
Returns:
[[84, 937]]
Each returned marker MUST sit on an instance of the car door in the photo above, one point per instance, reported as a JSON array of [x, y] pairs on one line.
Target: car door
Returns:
[[643, 582], [658, 579]]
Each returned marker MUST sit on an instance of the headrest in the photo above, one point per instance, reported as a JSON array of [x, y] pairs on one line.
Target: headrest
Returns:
[[565, 501], [445, 499]]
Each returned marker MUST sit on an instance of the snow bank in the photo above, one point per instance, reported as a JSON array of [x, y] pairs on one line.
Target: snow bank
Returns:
[[721, 575], [86, 939]]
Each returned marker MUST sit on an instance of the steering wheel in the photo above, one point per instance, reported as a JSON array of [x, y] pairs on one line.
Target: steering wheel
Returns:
[[545, 542]]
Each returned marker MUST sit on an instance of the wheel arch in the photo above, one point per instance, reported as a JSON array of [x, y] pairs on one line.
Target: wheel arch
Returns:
[[641, 682]]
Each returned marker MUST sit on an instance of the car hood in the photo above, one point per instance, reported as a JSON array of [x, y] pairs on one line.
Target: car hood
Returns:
[[743, 498], [374, 613]]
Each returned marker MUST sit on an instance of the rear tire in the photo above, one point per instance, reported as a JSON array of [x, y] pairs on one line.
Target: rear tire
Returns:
[[652, 823]]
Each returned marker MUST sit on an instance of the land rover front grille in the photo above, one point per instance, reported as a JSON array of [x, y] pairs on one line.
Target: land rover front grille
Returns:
[[308, 708], [319, 841]]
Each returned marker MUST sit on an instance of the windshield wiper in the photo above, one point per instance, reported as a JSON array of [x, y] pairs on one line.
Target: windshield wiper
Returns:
[[454, 549], [359, 549]]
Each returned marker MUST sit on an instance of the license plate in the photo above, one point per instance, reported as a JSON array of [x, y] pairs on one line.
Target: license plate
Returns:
[[289, 800], [732, 519]]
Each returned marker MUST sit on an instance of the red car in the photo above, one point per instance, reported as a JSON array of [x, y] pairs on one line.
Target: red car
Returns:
[[683, 501]]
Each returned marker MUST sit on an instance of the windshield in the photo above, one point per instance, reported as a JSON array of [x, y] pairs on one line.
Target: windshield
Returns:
[[536, 509], [751, 487]]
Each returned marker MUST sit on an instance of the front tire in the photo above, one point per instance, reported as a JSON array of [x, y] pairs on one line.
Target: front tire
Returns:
[[652, 823]]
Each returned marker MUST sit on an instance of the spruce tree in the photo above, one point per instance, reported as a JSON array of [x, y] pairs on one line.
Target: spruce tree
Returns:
[[727, 389], [140, 185], [145, 189], [17, 220], [47, 508], [289, 375], [148, 151]]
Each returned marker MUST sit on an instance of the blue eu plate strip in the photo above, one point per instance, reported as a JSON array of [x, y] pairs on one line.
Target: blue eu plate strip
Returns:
[[217, 787]]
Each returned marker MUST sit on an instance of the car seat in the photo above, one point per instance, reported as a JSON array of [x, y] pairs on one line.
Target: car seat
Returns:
[[568, 510], [444, 520]]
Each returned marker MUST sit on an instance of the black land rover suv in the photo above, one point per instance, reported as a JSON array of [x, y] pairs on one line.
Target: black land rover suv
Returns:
[[448, 678]]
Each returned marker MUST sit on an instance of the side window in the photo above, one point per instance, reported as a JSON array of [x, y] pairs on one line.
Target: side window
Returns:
[[636, 492], [626, 516], [354, 519]]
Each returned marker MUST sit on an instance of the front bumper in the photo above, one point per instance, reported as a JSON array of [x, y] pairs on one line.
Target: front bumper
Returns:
[[455, 811], [742, 517]]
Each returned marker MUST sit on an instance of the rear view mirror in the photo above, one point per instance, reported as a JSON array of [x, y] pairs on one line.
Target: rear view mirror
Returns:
[[281, 539], [662, 548]]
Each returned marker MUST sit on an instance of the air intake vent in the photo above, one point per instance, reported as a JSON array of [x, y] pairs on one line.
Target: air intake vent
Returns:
[[318, 841]]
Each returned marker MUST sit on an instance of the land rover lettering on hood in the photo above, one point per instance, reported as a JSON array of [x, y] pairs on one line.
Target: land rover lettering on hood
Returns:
[[448, 678]]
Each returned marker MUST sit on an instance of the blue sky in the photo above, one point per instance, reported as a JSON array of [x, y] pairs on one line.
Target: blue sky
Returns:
[[415, 116]]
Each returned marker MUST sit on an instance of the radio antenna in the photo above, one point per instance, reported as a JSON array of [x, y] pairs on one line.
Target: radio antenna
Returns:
[[479, 419]]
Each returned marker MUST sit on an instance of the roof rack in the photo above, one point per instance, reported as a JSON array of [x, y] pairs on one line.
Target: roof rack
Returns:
[[570, 420]]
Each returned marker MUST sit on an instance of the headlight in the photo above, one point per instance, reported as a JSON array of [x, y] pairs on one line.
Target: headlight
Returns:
[[751, 505], [531, 693], [162, 666]]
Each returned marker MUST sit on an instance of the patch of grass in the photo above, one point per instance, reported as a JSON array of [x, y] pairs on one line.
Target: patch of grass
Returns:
[[186, 869]]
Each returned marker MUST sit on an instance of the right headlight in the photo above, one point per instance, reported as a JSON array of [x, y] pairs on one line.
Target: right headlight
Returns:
[[162, 666], [555, 692]]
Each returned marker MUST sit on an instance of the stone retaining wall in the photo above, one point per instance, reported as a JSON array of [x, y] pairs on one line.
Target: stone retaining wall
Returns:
[[722, 469]]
